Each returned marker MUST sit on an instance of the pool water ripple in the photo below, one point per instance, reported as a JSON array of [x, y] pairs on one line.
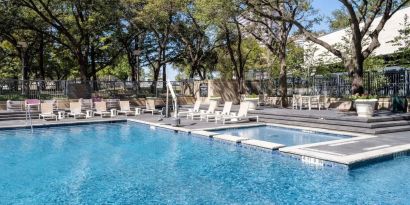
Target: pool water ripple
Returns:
[[131, 164]]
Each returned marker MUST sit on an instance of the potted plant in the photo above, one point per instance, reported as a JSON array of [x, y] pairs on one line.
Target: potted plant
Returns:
[[253, 100], [365, 105]]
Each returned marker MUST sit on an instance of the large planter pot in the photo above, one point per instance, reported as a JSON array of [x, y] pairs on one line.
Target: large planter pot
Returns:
[[365, 107], [253, 103]]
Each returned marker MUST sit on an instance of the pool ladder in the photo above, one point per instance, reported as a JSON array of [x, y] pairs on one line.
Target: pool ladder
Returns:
[[28, 118]]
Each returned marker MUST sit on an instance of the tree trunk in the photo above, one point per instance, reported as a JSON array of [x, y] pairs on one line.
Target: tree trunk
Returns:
[[240, 85], [134, 62], [283, 86], [192, 72], [26, 66], [157, 68], [357, 78], [82, 63], [93, 68], [41, 59], [26, 69], [164, 76]]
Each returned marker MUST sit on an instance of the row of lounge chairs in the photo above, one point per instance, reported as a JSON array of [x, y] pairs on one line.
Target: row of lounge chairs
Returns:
[[77, 111], [212, 115]]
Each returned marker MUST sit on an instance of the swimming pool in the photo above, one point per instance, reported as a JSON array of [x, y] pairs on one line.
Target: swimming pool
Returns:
[[132, 164], [283, 136]]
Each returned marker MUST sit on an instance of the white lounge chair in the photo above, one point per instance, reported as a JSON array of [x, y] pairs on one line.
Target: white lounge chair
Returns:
[[75, 110], [101, 109], [32, 104], [47, 111], [318, 102], [150, 106], [217, 115], [202, 114], [242, 114], [86, 104], [53, 102], [125, 108], [197, 105], [112, 103], [15, 105]]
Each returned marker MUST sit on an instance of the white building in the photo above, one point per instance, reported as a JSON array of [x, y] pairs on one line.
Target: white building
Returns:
[[390, 31]]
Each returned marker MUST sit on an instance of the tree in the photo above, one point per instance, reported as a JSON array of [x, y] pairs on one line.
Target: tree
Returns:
[[225, 16], [275, 33], [195, 34], [362, 24], [131, 34], [402, 41], [82, 27], [338, 20], [160, 47], [254, 59]]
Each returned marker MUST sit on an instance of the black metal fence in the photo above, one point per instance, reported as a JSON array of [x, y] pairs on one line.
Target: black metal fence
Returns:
[[39, 89], [389, 83]]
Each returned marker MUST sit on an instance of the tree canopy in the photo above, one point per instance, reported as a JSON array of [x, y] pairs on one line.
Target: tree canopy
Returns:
[[139, 39]]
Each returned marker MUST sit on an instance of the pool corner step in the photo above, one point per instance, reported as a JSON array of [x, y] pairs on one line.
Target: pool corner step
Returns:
[[204, 133], [230, 138], [263, 144]]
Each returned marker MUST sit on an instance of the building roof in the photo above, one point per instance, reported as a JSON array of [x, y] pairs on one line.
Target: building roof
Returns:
[[390, 31]]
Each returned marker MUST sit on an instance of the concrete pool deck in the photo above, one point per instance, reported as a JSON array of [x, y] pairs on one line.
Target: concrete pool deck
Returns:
[[353, 152]]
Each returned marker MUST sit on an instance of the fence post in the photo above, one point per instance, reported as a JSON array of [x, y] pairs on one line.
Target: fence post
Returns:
[[406, 82], [369, 89], [338, 85]]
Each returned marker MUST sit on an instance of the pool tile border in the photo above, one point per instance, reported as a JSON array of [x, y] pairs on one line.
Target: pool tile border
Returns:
[[60, 124]]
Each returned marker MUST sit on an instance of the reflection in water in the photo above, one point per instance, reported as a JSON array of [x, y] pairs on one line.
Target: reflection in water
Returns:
[[281, 135]]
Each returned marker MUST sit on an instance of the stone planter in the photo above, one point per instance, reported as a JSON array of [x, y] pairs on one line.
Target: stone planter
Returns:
[[365, 107], [253, 103]]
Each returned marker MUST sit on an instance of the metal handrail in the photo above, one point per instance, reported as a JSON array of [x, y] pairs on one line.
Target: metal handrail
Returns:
[[28, 117]]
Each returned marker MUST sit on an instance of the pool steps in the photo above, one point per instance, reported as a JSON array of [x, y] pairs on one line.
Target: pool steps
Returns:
[[303, 152]]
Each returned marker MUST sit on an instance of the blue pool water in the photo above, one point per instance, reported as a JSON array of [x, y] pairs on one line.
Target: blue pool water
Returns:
[[131, 164], [283, 136]]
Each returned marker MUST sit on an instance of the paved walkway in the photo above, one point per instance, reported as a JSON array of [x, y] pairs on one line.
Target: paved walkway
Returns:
[[317, 114], [357, 150]]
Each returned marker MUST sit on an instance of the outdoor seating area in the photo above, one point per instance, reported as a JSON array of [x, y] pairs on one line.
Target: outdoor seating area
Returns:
[[214, 110], [82, 108]]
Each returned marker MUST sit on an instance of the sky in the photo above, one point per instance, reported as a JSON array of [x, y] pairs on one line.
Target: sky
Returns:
[[324, 7]]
